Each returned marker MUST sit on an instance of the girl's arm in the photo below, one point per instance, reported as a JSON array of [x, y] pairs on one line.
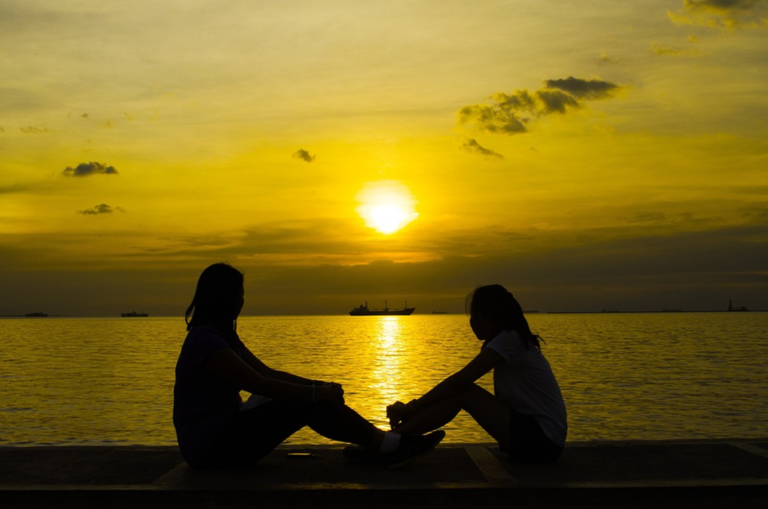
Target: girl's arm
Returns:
[[227, 365], [485, 361]]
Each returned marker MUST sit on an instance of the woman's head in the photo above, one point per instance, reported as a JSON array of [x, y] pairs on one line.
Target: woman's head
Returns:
[[218, 298], [493, 309]]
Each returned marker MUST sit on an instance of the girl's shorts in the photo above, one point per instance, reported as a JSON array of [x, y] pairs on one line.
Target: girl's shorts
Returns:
[[528, 443]]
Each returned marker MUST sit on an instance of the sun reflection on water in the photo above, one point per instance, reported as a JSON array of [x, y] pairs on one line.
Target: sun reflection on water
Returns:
[[389, 358]]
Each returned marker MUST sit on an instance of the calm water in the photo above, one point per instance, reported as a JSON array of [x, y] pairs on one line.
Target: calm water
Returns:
[[624, 376]]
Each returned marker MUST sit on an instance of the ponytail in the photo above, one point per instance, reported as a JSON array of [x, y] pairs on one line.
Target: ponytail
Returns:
[[501, 308]]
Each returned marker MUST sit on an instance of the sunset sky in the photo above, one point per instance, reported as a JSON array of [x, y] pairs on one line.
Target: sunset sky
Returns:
[[588, 155]]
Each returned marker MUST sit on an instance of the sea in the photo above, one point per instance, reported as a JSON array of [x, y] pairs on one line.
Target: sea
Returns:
[[650, 376]]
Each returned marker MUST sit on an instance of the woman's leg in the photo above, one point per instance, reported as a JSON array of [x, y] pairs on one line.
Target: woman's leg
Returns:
[[490, 412], [341, 423], [252, 434]]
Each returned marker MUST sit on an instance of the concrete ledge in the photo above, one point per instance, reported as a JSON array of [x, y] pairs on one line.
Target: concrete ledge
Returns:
[[622, 474]]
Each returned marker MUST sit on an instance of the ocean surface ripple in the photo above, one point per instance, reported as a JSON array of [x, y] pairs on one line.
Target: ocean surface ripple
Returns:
[[624, 376]]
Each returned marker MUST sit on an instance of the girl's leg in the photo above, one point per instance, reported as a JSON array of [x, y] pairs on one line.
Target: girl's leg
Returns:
[[529, 444], [490, 412]]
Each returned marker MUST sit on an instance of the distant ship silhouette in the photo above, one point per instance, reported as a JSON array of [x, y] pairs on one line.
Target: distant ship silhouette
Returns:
[[362, 310], [133, 314], [731, 307]]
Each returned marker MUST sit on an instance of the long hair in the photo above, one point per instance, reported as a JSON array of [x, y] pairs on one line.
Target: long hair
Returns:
[[498, 306], [216, 299]]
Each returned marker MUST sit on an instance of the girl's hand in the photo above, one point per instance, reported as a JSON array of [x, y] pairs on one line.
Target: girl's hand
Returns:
[[395, 414], [400, 413]]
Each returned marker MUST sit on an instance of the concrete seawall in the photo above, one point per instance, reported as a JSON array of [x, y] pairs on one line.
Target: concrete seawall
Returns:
[[679, 474]]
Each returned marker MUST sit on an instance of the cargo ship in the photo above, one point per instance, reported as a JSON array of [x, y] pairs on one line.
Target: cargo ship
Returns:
[[133, 314], [732, 308], [362, 310]]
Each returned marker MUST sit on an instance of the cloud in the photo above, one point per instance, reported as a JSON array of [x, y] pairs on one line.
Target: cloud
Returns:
[[507, 114], [604, 59], [555, 101], [583, 89], [473, 147], [667, 51], [725, 15], [13, 188], [511, 113], [304, 155], [99, 209], [87, 169], [34, 130]]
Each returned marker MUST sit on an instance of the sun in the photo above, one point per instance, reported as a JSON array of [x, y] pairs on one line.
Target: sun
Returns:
[[386, 206]]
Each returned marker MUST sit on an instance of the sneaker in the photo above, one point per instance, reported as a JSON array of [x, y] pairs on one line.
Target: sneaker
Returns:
[[412, 447]]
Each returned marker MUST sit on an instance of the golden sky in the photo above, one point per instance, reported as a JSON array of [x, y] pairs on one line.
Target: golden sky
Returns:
[[587, 155]]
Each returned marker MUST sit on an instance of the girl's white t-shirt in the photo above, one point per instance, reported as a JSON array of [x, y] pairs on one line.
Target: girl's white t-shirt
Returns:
[[526, 383]]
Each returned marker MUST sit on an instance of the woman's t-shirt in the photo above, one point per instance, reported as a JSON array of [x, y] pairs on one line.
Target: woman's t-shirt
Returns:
[[526, 383], [201, 400]]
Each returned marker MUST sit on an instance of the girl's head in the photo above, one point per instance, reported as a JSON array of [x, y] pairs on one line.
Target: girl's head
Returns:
[[218, 298], [493, 309]]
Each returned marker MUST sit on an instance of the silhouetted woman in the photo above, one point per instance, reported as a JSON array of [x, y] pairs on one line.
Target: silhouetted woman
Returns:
[[213, 426], [527, 415]]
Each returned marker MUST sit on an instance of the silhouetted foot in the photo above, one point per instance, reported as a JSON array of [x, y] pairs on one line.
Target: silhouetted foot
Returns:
[[411, 447]]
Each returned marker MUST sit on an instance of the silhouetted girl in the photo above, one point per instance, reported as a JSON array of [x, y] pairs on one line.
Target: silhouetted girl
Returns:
[[526, 415], [213, 426]]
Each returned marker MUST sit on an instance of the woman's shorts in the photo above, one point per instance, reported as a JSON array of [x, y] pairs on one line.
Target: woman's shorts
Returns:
[[528, 443]]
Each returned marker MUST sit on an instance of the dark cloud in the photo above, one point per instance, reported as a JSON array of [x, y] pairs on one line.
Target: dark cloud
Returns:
[[649, 217], [664, 50], [696, 270], [507, 113], [720, 5], [667, 51], [100, 209], [583, 89], [92, 168], [685, 218], [473, 147], [511, 113], [585, 271], [604, 59], [556, 101], [13, 188], [304, 156], [726, 15], [34, 130]]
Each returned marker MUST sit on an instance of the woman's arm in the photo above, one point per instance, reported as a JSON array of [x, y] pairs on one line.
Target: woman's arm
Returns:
[[264, 370], [226, 364]]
